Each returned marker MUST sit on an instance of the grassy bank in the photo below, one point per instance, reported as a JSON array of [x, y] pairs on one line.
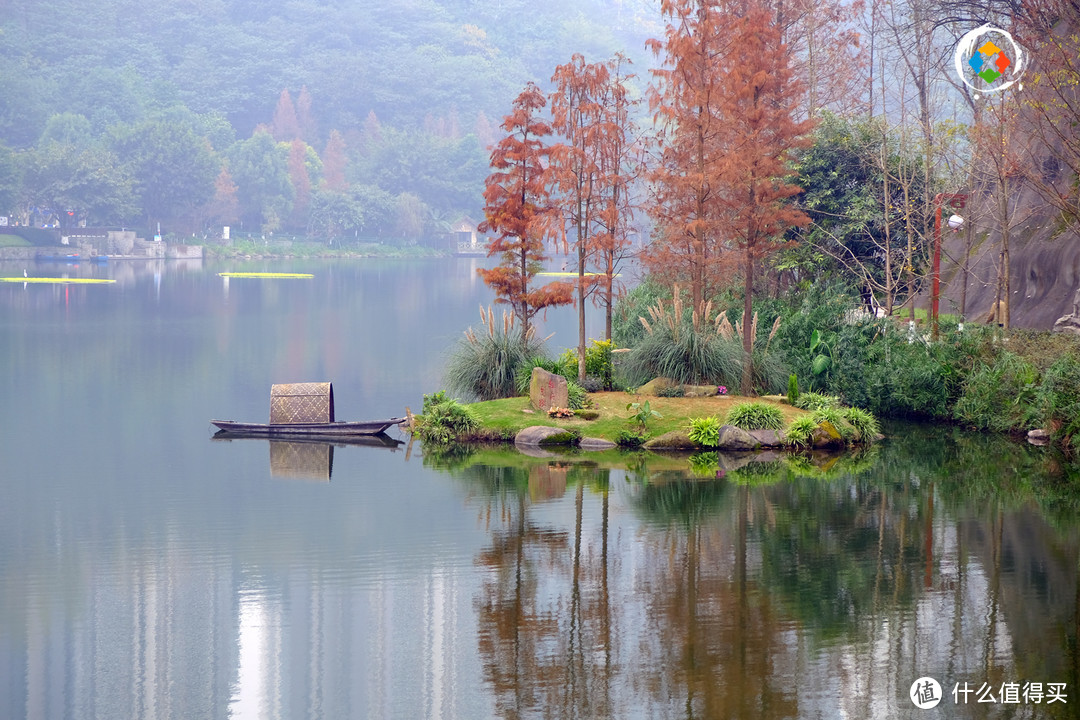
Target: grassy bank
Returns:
[[504, 418]]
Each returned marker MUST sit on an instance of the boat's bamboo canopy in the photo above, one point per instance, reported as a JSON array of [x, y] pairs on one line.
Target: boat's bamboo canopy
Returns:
[[292, 403]]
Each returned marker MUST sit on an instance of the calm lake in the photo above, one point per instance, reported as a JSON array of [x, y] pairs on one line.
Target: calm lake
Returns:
[[149, 571]]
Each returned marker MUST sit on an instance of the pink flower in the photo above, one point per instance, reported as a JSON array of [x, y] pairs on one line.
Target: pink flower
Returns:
[[721, 390]]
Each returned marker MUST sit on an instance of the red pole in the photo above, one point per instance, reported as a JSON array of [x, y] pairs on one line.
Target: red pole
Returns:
[[936, 283]]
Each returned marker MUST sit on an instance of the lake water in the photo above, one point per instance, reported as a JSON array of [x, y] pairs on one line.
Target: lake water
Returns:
[[148, 571]]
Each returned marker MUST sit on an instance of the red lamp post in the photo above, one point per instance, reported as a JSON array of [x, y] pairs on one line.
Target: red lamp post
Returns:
[[955, 200]]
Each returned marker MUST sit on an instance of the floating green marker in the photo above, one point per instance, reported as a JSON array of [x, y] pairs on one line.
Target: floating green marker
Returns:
[[265, 275], [57, 281]]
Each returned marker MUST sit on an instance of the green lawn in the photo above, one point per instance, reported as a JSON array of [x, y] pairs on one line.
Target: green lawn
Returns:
[[13, 241], [512, 414]]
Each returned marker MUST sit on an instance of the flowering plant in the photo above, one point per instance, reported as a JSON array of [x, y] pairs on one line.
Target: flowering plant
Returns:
[[721, 390], [558, 412]]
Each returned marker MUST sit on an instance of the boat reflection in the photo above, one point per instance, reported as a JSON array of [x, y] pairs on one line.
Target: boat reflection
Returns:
[[310, 458]]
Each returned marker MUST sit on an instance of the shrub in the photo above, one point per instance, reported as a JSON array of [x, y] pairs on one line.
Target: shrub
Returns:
[[593, 384], [755, 416], [800, 431], [705, 431], [587, 414], [816, 401], [444, 419], [643, 413], [1058, 399], [864, 423], [578, 397], [629, 439], [558, 412], [793, 389], [485, 365], [998, 395]]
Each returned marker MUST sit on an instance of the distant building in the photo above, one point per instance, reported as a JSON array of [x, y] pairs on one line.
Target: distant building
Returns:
[[467, 239]]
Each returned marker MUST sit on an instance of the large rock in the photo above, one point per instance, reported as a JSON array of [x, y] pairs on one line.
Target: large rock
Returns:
[[1070, 323], [589, 443], [826, 435], [768, 438], [548, 390], [537, 435], [655, 385], [733, 438], [674, 440]]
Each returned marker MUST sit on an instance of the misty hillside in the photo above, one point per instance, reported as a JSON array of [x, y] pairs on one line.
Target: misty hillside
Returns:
[[116, 60]]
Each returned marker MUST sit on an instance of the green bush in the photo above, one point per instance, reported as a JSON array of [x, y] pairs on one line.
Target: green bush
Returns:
[[485, 364], [793, 389], [999, 396], [800, 430], [578, 398], [1057, 400], [755, 416], [705, 431], [630, 439], [626, 329], [444, 419], [815, 401], [864, 423]]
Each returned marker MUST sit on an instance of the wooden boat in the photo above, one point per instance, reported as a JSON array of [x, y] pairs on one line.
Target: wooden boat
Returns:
[[329, 431], [304, 410]]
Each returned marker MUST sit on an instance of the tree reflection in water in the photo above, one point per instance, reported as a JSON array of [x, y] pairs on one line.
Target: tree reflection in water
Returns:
[[790, 589]]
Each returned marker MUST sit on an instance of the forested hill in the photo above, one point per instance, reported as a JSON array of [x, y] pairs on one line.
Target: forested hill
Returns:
[[114, 60]]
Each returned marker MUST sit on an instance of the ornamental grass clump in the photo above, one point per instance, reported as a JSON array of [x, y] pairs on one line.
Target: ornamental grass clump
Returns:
[[756, 416], [705, 431], [800, 431], [485, 364], [864, 423]]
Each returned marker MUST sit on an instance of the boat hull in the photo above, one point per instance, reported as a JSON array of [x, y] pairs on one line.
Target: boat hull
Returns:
[[295, 430]]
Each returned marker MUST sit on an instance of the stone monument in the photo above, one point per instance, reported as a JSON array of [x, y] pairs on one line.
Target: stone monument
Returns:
[[548, 390]]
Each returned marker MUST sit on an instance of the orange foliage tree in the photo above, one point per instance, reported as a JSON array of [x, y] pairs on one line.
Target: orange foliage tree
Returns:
[[574, 166], [591, 172], [333, 160], [726, 104], [690, 135], [620, 166], [517, 210], [759, 100]]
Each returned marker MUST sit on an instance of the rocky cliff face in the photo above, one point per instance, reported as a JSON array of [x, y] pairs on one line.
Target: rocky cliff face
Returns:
[[1044, 259]]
